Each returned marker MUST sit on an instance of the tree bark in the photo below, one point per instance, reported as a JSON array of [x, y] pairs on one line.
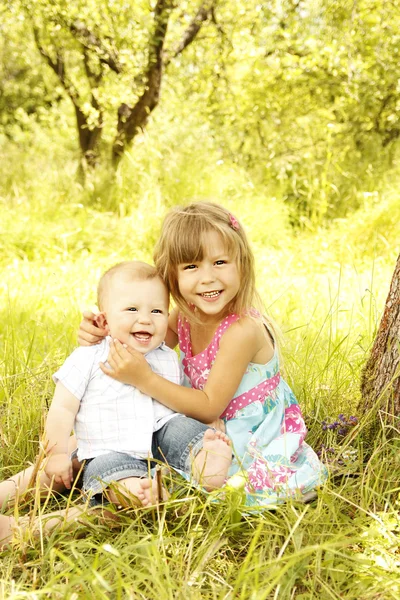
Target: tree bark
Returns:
[[89, 135], [131, 120], [380, 381]]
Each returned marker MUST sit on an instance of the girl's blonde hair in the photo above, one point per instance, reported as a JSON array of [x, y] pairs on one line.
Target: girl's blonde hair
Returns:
[[182, 241]]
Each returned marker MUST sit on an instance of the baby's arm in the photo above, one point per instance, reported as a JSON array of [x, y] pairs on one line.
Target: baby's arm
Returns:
[[239, 344], [59, 424]]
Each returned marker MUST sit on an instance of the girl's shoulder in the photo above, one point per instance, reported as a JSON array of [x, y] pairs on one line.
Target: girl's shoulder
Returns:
[[251, 332]]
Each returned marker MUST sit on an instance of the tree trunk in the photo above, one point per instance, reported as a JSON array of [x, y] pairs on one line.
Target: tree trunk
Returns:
[[133, 119], [89, 145], [380, 382]]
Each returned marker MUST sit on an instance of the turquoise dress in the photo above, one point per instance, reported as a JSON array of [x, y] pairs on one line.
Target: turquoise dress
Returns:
[[264, 423]]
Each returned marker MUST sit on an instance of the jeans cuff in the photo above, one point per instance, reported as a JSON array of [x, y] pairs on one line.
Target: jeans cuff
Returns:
[[96, 485], [191, 452]]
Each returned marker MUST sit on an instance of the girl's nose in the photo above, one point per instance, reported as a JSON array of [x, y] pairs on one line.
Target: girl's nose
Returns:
[[207, 274]]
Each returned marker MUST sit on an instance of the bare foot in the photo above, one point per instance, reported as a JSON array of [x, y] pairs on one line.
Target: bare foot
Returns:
[[212, 463], [7, 525], [135, 491], [152, 492]]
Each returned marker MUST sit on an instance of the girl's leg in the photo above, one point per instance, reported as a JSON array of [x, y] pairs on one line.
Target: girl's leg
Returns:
[[211, 464], [195, 449], [28, 478]]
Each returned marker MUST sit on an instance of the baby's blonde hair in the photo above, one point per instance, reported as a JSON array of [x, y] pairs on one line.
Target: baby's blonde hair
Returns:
[[131, 269], [181, 241]]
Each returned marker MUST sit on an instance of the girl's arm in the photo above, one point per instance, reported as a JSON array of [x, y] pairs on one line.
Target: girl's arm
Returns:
[[59, 424], [238, 346], [90, 333], [171, 339]]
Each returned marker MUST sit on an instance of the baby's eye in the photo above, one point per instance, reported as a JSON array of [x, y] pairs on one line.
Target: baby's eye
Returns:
[[157, 311], [132, 309]]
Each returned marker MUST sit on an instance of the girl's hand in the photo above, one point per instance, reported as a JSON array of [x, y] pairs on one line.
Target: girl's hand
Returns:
[[126, 365], [89, 332]]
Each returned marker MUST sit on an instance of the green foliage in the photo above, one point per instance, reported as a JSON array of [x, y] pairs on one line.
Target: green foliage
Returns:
[[25, 87], [301, 95]]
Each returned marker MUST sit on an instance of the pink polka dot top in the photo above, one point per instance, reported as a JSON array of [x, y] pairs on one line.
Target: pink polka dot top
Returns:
[[258, 382]]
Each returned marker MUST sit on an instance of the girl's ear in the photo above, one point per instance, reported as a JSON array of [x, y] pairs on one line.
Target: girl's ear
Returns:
[[101, 321]]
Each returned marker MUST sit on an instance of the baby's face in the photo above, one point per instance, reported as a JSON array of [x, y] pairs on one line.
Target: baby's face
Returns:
[[137, 312]]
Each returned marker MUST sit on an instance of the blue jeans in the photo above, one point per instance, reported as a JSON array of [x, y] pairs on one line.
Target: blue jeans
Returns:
[[175, 444]]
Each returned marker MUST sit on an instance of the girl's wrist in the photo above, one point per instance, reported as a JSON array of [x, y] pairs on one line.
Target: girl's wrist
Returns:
[[148, 383]]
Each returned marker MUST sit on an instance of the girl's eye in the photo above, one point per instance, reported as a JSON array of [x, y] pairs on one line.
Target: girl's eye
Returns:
[[132, 309], [220, 262], [189, 267]]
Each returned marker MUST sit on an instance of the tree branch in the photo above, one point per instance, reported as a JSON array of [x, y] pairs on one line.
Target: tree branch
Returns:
[[58, 66], [132, 119], [106, 56], [205, 12]]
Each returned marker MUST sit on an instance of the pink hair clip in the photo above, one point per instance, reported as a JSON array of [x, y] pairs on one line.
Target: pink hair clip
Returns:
[[234, 222]]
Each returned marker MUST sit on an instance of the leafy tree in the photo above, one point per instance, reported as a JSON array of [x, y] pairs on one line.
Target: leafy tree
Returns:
[[305, 96], [110, 58], [25, 88]]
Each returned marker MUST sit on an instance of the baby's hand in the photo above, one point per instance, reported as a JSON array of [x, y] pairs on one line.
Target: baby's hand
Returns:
[[89, 332], [59, 466], [219, 425], [126, 365]]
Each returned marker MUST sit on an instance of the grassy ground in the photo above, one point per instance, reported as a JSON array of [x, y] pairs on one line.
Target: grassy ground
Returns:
[[326, 288]]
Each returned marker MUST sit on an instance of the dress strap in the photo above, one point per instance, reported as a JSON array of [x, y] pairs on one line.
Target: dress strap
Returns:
[[225, 323], [184, 336]]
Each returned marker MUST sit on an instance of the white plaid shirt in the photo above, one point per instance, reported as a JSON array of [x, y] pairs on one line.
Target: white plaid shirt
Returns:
[[114, 416]]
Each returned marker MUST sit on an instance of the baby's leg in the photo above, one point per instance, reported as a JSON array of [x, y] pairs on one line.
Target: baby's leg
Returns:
[[29, 478], [123, 479], [136, 491], [46, 523], [7, 525], [194, 448]]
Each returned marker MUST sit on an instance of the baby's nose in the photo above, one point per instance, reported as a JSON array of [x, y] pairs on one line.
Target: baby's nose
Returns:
[[144, 318]]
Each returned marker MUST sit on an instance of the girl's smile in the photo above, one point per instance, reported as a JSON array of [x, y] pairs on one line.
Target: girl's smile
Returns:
[[213, 282], [211, 296]]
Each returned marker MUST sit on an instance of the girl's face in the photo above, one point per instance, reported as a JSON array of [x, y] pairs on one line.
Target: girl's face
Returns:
[[212, 283]]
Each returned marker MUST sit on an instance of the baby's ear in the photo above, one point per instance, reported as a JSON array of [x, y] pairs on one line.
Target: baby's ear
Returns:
[[101, 321]]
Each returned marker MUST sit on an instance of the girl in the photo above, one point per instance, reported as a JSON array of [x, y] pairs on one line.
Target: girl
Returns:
[[228, 352]]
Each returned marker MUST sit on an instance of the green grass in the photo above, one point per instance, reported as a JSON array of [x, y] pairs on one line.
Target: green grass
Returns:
[[325, 287]]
